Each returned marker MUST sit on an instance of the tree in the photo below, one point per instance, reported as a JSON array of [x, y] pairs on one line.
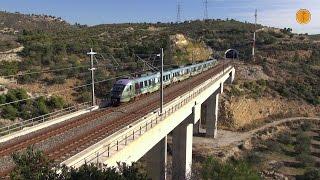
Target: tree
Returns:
[[34, 165]]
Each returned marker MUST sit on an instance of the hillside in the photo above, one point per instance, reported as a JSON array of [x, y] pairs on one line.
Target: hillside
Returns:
[[283, 81], [13, 23]]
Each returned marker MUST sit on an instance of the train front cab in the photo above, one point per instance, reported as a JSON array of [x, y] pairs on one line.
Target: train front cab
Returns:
[[122, 93]]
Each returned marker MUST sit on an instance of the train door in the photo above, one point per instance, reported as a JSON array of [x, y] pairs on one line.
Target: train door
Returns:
[[136, 88]]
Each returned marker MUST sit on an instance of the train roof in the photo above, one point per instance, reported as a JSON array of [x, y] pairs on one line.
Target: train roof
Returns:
[[155, 75], [124, 81]]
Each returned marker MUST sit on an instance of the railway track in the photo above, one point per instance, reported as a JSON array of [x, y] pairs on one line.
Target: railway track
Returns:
[[68, 149], [77, 144]]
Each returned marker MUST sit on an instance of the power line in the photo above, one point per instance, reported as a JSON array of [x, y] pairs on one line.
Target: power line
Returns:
[[44, 71], [56, 70], [50, 71]]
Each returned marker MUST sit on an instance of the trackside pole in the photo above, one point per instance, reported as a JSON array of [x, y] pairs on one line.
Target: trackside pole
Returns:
[[161, 83], [92, 69]]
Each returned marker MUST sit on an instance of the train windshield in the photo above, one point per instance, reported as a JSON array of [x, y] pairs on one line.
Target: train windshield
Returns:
[[118, 87]]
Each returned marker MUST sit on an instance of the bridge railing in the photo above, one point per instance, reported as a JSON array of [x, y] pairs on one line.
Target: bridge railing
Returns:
[[142, 127], [40, 119]]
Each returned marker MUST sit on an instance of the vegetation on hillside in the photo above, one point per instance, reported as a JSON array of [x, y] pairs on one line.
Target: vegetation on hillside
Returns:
[[233, 169], [13, 23], [291, 152], [290, 60], [29, 108]]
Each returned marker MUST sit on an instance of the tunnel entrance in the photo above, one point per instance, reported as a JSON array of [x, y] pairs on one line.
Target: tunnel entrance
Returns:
[[231, 54]]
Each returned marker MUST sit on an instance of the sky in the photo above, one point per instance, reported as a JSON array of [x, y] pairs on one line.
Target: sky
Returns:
[[275, 13]]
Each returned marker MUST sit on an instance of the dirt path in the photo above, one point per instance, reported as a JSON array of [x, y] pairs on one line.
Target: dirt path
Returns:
[[229, 139]]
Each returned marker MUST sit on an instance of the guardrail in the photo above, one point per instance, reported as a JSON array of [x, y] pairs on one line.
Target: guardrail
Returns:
[[114, 145], [40, 119]]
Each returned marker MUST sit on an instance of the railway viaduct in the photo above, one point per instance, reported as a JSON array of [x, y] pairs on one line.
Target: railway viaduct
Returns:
[[147, 137]]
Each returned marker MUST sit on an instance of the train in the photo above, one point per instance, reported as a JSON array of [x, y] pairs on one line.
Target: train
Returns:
[[127, 89]]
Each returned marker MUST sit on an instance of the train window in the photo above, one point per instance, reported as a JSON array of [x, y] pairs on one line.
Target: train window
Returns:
[[145, 83], [118, 87], [130, 87], [137, 85], [150, 82], [141, 84]]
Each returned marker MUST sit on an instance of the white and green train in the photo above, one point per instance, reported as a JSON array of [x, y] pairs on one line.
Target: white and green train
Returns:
[[125, 90]]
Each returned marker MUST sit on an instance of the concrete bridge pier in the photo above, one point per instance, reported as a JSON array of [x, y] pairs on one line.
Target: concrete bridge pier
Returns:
[[212, 104], [231, 77], [196, 128], [156, 160], [182, 149]]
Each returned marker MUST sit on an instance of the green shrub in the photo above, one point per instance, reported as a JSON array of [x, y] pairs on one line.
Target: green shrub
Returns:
[[57, 80], [303, 143], [306, 159], [85, 97], [56, 102], [9, 112], [254, 158], [29, 78], [273, 146], [213, 169], [28, 111], [235, 91], [311, 174], [306, 126], [286, 138], [41, 106], [28, 108], [2, 99], [8, 68]]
